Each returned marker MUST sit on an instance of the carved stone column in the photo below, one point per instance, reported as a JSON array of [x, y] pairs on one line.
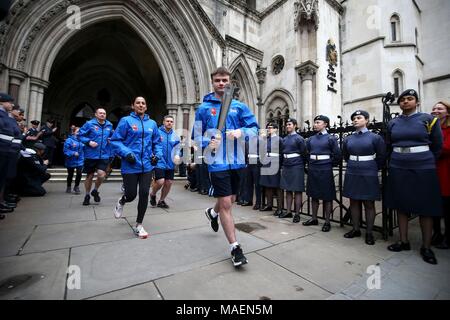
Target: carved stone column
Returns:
[[261, 73], [37, 88], [186, 109], [172, 110], [307, 72], [15, 80]]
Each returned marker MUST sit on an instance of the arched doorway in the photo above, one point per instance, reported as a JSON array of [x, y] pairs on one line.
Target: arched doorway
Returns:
[[106, 66]]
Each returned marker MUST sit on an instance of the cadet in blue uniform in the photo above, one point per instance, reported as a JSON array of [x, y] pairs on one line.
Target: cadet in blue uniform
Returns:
[[137, 141], [271, 167], [165, 169], [415, 140], [96, 134], [49, 140], [253, 173], [293, 170], [32, 135], [226, 154], [74, 153], [365, 153], [324, 152], [9, 143]]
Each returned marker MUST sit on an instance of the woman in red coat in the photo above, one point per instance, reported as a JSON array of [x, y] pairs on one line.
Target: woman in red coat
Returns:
[[442, 111]]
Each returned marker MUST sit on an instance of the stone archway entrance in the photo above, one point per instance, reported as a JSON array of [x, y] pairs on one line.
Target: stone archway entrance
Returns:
[[106, 66], [123, 48]]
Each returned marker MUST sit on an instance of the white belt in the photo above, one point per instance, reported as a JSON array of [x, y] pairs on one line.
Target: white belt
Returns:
[[320, 157], [253, 156], [18, 141], [201, 157], [7, 138], [291, 155], [363, 158], [411, 149], [273, 154]]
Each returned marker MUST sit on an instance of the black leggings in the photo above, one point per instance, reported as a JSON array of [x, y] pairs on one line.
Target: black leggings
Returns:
[[70, 172], [130, 183]]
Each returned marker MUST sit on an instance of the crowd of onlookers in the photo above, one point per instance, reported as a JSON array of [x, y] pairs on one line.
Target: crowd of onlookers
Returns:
[[24, 152]]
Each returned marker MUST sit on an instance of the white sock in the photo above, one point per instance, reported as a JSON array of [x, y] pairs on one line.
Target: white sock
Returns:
[[213, 213], [234, 245]]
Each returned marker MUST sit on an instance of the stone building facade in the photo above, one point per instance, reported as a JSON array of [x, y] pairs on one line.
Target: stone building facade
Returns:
[[291, 58]]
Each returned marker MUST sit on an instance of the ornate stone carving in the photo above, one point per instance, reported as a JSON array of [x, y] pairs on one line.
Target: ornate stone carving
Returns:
[[306, 10], [55, 11], [208, 23], [261, 73], [277, 64], [307, 69]]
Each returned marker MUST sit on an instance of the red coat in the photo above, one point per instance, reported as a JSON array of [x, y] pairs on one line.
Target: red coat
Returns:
[[443, 165]]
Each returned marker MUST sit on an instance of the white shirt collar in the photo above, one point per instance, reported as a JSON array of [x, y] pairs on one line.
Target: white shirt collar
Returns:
[[363, 130], [324, 131]]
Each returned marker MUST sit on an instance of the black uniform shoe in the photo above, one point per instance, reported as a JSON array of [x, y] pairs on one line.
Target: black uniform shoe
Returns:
[[428, 256], [279, 212], [87, 198], [437, 238], [193, 189], [266, 208], [353, 233], [370, 240], [296, 218], [153, 201], [96, 195], [214, 221], [162, 204], [311, 222], [444, 245], [326, 227], [237, 257], [246, 204], [256, 207], [284, 215], [204, 192], [399, 246]]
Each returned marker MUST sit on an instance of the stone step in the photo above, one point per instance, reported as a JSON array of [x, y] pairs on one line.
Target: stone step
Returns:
[[60, 175]]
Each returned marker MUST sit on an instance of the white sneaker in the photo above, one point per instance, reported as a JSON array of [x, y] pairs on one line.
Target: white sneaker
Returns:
[[118, 210], [140, 232]]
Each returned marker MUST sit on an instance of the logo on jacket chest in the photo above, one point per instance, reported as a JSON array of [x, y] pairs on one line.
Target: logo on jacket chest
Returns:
[[74, 145], [213, 112], [134, 127], [96, 128]]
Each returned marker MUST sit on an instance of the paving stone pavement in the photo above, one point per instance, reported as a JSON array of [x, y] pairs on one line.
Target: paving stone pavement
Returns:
[[48, 241]]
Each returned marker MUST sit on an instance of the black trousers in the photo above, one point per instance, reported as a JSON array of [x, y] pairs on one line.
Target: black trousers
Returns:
[[70, 172], [130, 183], [252, 184], [446, 216], [203, 180]]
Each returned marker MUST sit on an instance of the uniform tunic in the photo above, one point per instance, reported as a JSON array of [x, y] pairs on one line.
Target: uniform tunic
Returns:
[[271, 162], [413, 185], [361, 178], [32, 132], [292, 172], [320, 182]]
